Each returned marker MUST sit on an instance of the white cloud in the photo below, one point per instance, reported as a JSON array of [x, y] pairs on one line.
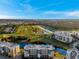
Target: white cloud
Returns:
[[27, 7], [6, 16], [54, 12], [15, 17], [10, 17], [45, 6], [3, 12], [7, 2], [73, 13], [64, 13]]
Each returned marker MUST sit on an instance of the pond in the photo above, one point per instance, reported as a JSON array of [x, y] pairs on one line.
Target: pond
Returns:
[[22, 44]]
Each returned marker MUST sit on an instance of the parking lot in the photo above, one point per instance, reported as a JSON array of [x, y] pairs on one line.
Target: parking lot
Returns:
[[4, 57]]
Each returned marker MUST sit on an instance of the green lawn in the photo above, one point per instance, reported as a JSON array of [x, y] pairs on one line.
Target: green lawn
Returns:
[[55, 42]]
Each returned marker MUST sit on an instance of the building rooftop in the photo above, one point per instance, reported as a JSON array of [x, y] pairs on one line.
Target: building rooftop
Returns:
[[7, 44], [34, 46]]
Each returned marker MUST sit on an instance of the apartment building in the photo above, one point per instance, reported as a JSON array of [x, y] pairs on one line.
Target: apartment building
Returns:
[[76, 33], [9, 49], [63, 36], [66, 36], [38, 51], [73, 53]]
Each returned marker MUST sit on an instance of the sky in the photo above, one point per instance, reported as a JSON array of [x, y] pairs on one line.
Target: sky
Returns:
[[39, 9]]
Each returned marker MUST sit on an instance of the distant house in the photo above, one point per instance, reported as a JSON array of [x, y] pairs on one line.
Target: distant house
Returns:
[[9, 30], [9, 49]]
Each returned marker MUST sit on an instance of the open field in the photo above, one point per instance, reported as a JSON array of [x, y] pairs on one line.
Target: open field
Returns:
[[32, 32], [57, 24]]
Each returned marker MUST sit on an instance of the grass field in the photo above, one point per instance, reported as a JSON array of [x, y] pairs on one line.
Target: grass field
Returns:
[[36, 33]]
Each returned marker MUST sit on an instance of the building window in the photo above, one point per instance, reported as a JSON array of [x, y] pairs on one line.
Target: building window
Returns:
[[63, 38], [60, 37], [67, 39]]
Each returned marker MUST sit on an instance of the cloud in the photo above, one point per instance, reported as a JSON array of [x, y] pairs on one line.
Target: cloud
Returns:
[[17, 6], [6, 16], [27, 7], [64, 13], [54, 12], [29, 11], [3, 12], [15, 17], [73, 13], [6, 2], [11, 17], [45, 6], [25, 10], [9, 2]]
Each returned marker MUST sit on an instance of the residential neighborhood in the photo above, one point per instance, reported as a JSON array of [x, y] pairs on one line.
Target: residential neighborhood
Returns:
[[39, 29], [25, 41]]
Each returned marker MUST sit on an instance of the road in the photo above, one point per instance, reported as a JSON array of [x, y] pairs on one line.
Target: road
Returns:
[[5, 57]]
